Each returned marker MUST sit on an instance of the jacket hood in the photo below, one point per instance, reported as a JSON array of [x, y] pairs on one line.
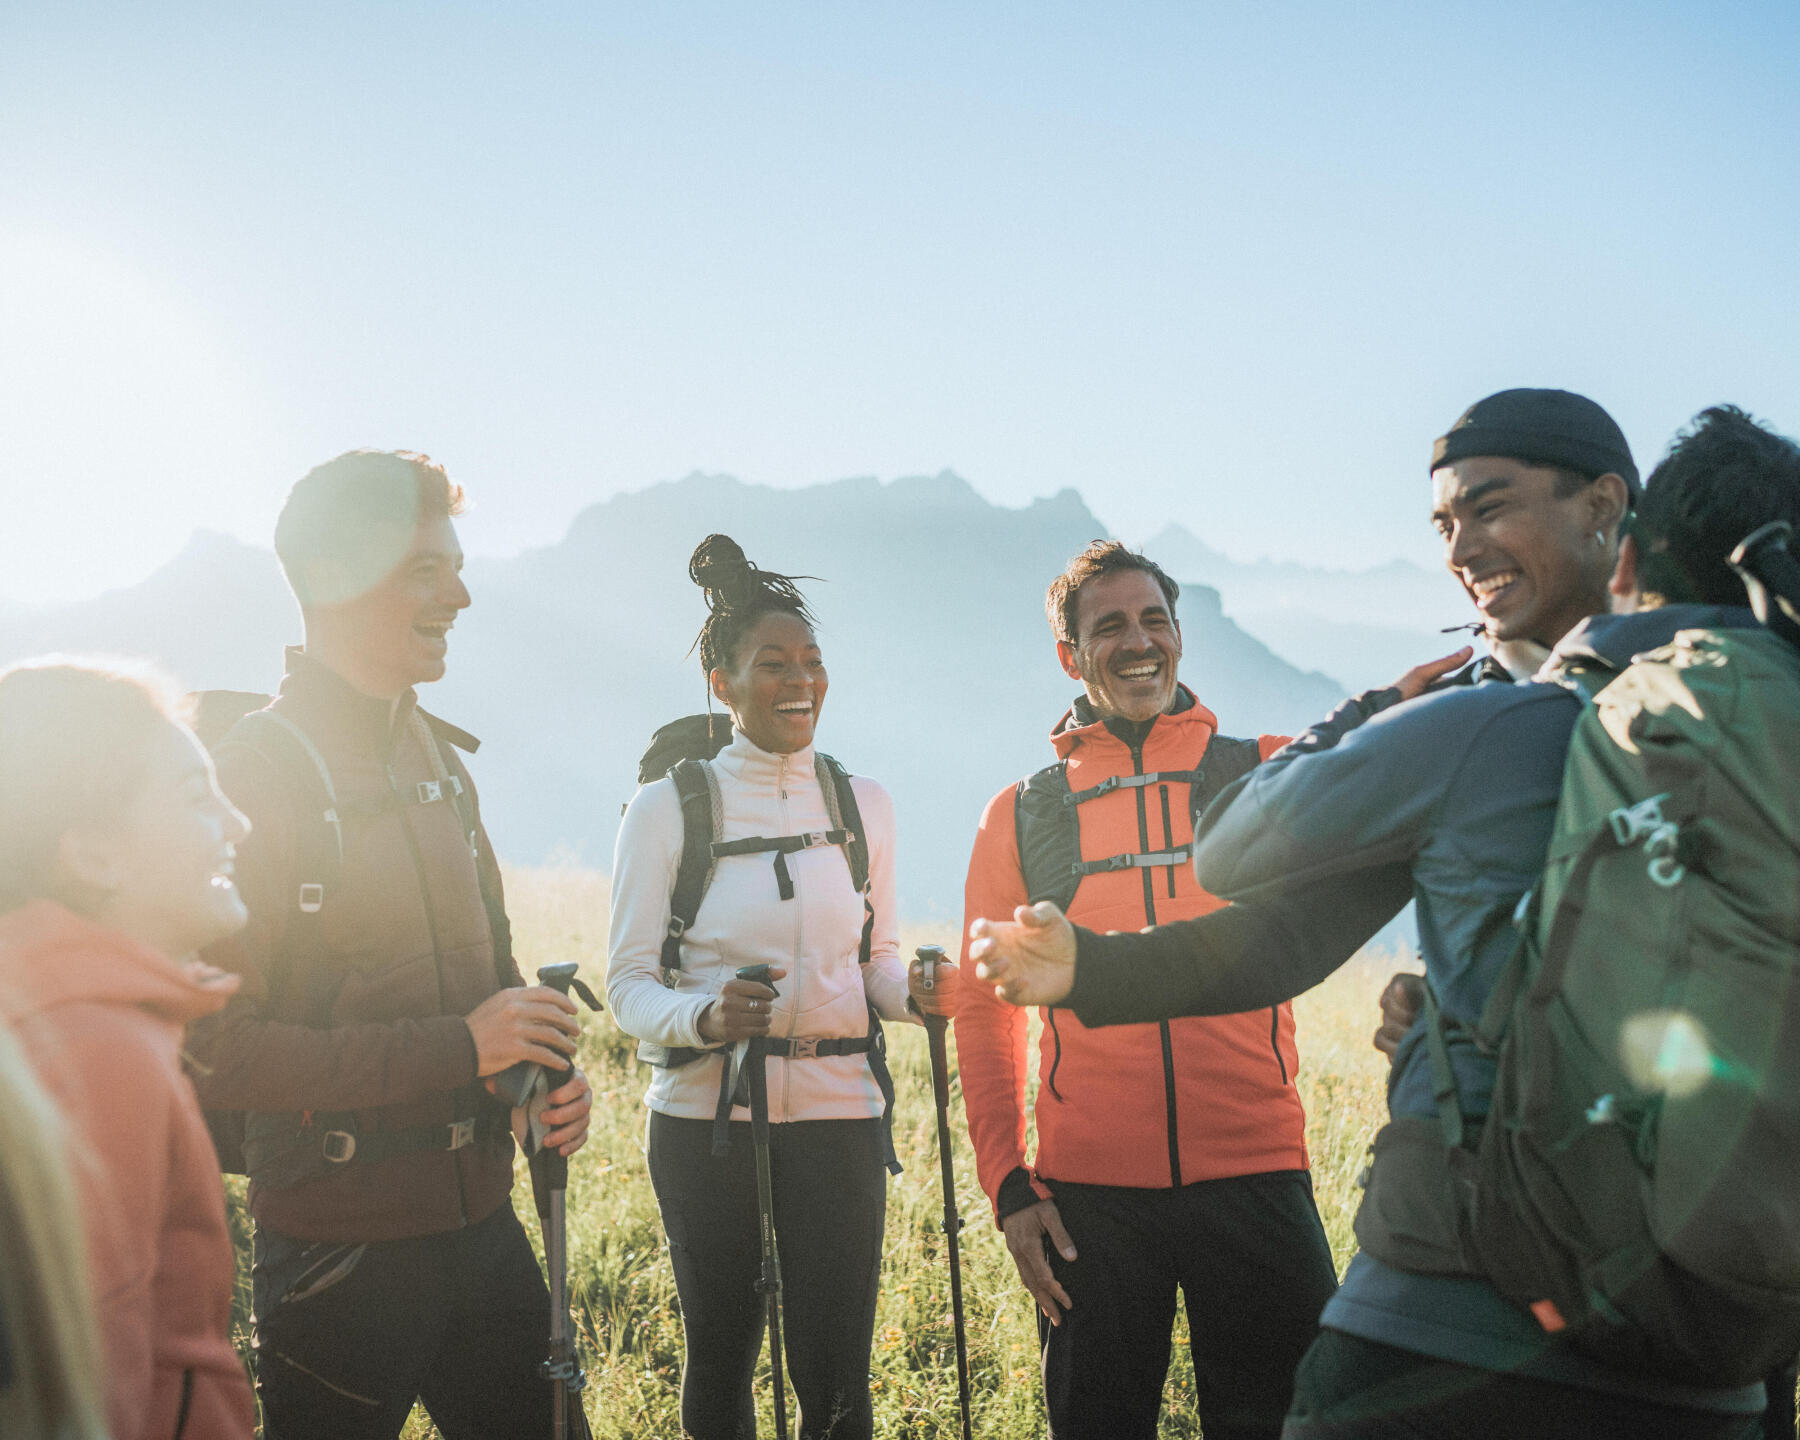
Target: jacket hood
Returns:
[[1613, 640], [1080, 725], [50, 956]]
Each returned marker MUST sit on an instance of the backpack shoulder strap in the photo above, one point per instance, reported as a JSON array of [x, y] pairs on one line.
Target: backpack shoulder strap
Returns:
[[1047, 827], [697, 787], [846, 815]]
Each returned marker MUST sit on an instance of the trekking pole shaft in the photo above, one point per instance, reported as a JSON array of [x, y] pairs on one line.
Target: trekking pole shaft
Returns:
[[769, 1281], [940, 1086], [556, 1261]]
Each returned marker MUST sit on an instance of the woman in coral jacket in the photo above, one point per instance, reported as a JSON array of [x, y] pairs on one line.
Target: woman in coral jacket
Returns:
[[796, 908], [115, 868]]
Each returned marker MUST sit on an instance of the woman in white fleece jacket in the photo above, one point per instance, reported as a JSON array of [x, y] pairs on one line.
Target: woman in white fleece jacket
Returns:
[[829, 1131]]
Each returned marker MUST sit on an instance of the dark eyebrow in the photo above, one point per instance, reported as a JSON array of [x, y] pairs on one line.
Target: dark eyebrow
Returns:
[[1473, 496]]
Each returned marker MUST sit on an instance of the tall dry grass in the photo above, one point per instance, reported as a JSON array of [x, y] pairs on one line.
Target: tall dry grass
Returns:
[[624, 1293]]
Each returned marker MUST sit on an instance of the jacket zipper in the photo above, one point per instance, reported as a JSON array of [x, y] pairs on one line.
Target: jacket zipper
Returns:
[[1168, 1043], [437, 954], [187, 1403], [1275, 1040], [1168, 835], [796, 969]]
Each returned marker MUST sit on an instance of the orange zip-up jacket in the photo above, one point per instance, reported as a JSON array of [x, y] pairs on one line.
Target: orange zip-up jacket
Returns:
[[100, 1019], [1148, 1106]]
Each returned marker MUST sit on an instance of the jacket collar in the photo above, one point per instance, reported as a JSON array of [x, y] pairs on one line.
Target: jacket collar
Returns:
[[322, 699], [49, 955], [1612, 640], [755, 766], [1080, 725]]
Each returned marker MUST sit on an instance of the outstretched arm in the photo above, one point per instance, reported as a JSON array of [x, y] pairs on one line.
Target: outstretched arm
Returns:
[[1243, 957]]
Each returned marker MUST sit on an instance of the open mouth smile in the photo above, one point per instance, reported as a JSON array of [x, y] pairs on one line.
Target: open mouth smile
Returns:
[[1142, 670], [1490, 589]]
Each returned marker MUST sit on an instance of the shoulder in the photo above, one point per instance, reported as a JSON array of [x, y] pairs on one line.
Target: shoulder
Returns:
[[656, 806], [1467, 708], [872, 798]]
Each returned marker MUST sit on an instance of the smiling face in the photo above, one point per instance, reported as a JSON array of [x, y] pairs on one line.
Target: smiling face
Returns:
[[396, 633], [161, 865], [1534, 560], [775, 686], [1127, 645]]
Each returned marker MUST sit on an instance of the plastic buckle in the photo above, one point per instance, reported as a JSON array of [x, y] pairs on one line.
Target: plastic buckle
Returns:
[[312, 899], [430, 790], [814, 839], [462, 1132], [339, 1146], [806, 1048]]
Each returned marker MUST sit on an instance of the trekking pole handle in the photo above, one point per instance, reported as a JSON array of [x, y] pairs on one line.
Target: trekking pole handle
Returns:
[[930, 957], [757, 974], [514, 1083]]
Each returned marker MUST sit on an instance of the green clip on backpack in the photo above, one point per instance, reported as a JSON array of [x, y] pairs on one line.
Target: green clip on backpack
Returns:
[[1637, 1181]]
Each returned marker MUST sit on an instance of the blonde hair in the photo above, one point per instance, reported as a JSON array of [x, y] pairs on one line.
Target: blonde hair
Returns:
[[57, 1367], [75, 738]]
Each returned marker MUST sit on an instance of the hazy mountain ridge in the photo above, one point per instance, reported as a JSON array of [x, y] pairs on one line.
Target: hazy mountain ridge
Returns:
[[944, 681], [1361, 627]]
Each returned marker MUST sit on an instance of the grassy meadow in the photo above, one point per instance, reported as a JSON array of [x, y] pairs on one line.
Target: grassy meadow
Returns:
[[623, 1291]]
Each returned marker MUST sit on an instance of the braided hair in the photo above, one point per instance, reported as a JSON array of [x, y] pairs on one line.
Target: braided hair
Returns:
[[737, 595]]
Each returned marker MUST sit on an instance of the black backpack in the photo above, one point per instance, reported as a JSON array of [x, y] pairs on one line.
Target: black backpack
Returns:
[[224, 719]]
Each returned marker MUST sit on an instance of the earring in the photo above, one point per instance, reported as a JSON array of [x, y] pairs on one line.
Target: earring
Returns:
[[1600, 538]]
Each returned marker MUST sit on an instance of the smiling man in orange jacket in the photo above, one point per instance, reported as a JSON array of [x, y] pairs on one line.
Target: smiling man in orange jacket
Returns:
[[1170, 1156]]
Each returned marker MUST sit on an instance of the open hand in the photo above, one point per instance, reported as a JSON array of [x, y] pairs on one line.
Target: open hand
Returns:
[[1416, 681], [1030, 959]]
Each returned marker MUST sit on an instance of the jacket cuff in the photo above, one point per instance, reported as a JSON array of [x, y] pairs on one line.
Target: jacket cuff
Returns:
[[1018, 1191]]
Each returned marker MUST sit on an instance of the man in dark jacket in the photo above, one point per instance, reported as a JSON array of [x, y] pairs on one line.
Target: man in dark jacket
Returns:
[[1461, 788], [379, 991]]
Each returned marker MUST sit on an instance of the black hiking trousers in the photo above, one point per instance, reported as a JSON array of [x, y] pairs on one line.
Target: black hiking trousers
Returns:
[[1252, 1264], [1350, 1388], [347, 1337], [830, 1210]]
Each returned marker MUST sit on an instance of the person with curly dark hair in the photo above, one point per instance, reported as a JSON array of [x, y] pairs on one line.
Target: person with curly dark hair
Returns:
[[782, 892]]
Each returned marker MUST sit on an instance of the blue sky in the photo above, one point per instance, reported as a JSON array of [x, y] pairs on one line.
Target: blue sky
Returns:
[[1229, 265]]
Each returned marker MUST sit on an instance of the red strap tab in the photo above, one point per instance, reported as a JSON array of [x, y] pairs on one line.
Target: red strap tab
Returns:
[[1549, 1316]]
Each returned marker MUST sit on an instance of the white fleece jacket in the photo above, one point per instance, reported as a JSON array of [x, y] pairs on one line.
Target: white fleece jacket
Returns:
[[744, 921]]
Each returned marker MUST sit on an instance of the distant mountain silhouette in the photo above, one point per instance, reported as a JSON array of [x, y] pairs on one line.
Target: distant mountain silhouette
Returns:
[[944, 681], [1361, 627]]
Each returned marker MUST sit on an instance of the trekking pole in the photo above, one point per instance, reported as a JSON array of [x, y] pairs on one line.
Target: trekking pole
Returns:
[[930, 957], [768, 1280], [549, 1186]]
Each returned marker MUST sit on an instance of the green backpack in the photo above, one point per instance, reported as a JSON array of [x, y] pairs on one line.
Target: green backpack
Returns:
[[1637, 1181]]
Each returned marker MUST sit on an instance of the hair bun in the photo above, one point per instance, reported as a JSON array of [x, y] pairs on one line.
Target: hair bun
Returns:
[[719, 568]]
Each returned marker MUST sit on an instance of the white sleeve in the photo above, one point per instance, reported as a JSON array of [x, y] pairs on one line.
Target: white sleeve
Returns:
[[643, 880], [884, 977]]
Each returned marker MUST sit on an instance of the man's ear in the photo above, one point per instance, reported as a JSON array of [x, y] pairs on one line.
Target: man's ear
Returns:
[[1609, 500], [1624, 582], [1065, 655]]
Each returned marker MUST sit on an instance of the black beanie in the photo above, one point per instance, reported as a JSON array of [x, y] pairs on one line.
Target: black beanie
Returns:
[[1541, 427]]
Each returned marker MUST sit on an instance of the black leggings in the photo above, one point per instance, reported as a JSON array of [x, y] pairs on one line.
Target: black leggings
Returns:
[[830, 1207]]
